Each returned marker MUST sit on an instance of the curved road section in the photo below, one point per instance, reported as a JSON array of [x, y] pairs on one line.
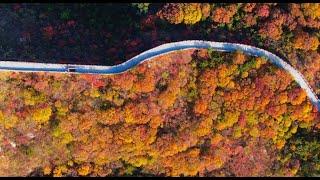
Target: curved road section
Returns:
[[160, 50]]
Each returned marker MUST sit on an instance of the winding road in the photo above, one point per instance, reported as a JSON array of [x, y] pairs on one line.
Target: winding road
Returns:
[[160, 50]]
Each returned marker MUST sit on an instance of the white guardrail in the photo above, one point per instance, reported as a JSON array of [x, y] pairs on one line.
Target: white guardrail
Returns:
[[160, 50]]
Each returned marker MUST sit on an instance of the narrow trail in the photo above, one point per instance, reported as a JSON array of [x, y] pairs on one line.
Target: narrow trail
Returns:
[[160, 50]]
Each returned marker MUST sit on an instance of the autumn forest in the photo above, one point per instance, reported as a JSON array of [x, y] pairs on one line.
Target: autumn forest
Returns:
[[194, 112]]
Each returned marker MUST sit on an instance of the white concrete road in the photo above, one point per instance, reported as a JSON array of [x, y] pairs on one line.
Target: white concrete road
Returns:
[[160, 50]]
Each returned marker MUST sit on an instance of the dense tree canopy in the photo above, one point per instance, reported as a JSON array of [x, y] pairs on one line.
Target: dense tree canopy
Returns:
[[191, 112]]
